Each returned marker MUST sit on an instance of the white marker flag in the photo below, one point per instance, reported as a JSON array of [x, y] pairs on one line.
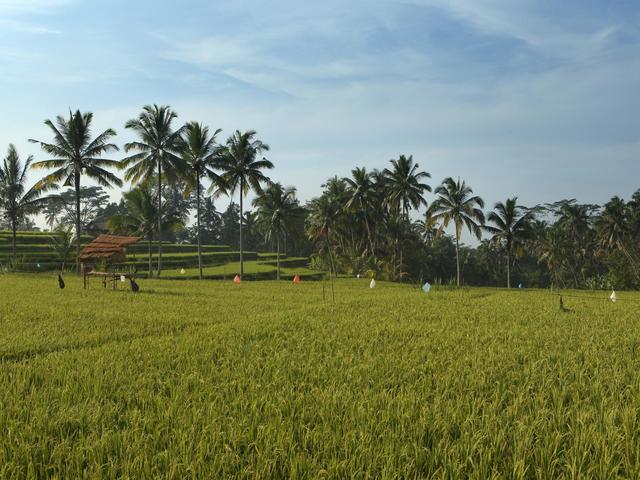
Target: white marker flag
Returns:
[[613, 296], [372, 284], [426, 287]]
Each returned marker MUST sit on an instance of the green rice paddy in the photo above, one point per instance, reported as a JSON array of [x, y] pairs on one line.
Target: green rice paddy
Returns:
[[209, 379]]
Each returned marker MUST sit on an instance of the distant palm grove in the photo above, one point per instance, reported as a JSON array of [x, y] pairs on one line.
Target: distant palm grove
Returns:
[[390, 223]]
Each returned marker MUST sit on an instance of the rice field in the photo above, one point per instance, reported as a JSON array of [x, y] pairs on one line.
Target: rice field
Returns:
[[209, 379]]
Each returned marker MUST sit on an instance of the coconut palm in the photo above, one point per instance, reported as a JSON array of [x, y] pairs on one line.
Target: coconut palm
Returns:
[[511, 226], [16, 201], [456, 203], [405, 189], [157, 154], [614, 229], [201, 155], [322, 222], [141, 217], [277, 210], [362, 190], [242, 169], [427, 228], [75, 154], [551, 247]]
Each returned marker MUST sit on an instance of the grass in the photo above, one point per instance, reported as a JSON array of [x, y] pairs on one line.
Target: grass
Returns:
[[253, 268], [267, 380]]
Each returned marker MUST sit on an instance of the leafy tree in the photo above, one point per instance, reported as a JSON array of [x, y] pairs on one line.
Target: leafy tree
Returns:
[[157, 155], [62, 243], [277, 208], [210, 222], [455, 203], [243, 169], [511, 227], [63, 208], [141, 217], [231, 226], [76, 154], [16, 200]]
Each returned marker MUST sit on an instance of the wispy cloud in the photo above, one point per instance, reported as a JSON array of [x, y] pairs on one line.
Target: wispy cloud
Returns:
[[470, 87]]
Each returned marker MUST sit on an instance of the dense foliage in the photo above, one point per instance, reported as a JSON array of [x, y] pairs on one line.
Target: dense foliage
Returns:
[[383, 223]]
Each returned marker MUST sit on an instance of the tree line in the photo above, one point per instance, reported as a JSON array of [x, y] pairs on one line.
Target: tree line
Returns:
[[362, 224]]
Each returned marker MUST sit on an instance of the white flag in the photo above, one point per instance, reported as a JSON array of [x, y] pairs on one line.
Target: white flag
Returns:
[[372, 284], [426, 287], [613, 296], [182, 271]]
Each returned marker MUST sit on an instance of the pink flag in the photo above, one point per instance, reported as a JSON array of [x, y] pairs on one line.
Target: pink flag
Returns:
[[236, 279]]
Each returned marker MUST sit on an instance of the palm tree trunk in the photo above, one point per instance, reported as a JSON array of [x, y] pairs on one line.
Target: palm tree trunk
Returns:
[[14, 255], [198, 227], [332, 266], [457, 260], [278, 258], [78, 239], [150, 256], [366, 224], [508, 265], [159, 217], [241, 259]]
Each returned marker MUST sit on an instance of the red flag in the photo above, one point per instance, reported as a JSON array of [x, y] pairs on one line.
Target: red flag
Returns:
[[296, 279], [236, 279]]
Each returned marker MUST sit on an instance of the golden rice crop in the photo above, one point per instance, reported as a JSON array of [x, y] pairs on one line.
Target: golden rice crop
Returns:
[[267, 380]]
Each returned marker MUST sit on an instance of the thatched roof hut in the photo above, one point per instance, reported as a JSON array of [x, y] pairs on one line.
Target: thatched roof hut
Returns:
[[107, 247]]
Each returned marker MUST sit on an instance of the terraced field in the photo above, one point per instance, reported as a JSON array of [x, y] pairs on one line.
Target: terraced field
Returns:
[[35, 254]]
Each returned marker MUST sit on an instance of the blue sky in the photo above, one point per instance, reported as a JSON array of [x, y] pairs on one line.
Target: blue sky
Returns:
[[533, 98]]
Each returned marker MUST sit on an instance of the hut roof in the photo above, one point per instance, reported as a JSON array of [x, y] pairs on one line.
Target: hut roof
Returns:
[[107, 246]]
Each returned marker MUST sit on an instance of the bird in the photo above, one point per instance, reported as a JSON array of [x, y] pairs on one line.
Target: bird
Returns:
[[134, 286], [60, 282], [562, 307]]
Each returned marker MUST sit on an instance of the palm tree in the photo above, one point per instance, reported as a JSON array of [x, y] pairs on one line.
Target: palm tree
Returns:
[[76, 154], [614, 229], [242, 169], [427, 228], [552, 246], [405, 189], [201, 155], [158, 153], [277, 209], [456, 203], [361, 188], [16, 201], [510, 227], [141, 217], [321, 224]]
